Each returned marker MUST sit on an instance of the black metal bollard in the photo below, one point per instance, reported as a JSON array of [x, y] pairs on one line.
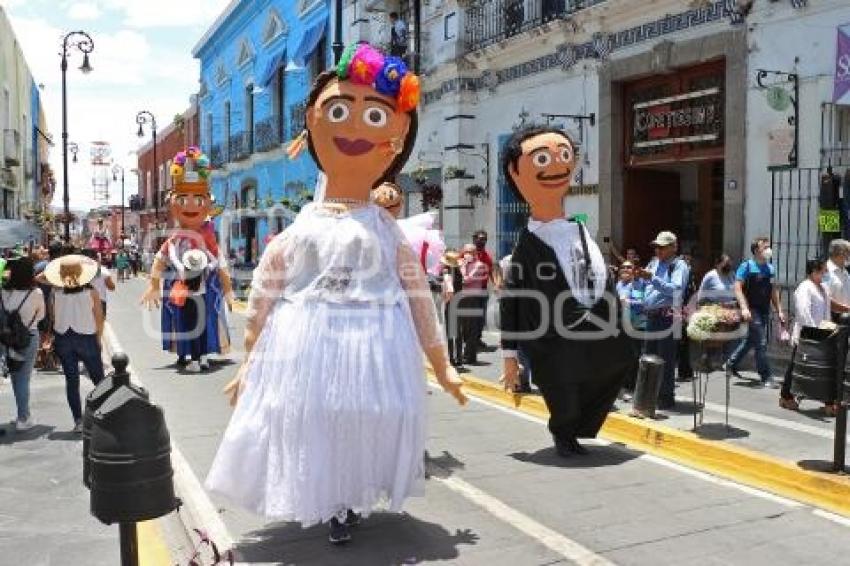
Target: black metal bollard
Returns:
[[129, 457]]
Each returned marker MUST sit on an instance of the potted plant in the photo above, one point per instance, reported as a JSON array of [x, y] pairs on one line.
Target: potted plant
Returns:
[[475, 191], [454, 173]]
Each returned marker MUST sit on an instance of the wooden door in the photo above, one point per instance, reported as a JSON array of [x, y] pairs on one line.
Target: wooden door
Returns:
[[651, 204]]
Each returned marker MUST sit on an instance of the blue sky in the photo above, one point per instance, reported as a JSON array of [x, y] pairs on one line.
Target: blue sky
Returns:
[[142, 61]]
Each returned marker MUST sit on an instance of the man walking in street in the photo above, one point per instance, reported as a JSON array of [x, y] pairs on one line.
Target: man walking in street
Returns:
[[756, 291], [479, 240], [667, 277]]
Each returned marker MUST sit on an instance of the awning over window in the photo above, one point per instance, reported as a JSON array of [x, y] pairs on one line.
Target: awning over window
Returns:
[[309, 40], [275, 63]]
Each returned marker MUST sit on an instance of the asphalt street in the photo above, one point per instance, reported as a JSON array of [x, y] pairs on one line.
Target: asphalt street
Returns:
[[497, 493]]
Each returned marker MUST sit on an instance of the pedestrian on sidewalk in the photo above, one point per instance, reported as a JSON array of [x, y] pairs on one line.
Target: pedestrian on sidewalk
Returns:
[[452, 287], [103, 282], [630, 291], [837, 278], [21, 298], [475, 274], [666, 279], [718, 288], [46, 358], [756, 291], [77, 315], [479, 240], [683, 354], [122, 265], [811, 309]]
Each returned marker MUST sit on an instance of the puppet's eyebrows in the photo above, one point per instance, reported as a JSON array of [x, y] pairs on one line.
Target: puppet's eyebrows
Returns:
[[336, 97], [379, 101]]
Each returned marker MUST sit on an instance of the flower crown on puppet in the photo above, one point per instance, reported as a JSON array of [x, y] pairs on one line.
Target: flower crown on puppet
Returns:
[[190, 171], [363, 64]]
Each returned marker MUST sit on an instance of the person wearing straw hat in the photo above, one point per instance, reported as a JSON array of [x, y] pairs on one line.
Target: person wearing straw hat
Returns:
[[77, 317], [195, 294], [452, 286]]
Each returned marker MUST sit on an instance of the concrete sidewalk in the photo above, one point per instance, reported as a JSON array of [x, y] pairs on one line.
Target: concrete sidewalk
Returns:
[[44, 507], [756, 421]]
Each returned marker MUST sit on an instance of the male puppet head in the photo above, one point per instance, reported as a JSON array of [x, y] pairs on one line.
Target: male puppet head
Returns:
[[189, 202], [361, 116], [538, 163]]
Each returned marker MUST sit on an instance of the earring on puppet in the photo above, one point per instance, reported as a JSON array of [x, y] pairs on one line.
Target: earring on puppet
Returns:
[[393, 146], [297, 145]]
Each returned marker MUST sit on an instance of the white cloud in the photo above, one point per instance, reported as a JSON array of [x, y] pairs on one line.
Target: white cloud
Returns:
[[168, 13], [84, 11]]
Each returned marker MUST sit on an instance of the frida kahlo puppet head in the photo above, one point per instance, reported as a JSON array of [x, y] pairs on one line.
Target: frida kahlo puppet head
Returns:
[[189, 202], [538, 163], [361, 116]]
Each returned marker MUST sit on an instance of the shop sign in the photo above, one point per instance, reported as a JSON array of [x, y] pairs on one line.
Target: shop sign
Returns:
[[655, 120], [829, 221], [841, 92]]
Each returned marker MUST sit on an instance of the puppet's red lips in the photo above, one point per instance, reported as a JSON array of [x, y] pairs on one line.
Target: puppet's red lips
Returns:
[[353, 147], [188, 214]]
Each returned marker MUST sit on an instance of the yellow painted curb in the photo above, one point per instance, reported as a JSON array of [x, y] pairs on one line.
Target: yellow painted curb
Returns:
[[152, 548], [749, 467]]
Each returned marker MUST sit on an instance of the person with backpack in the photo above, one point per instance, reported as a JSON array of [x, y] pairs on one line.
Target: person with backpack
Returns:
[[666, 279], [21, 309], [77, 316], [756, 292]]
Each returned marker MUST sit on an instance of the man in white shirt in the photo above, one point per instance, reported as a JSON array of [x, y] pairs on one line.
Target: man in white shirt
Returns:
[[838, 279]]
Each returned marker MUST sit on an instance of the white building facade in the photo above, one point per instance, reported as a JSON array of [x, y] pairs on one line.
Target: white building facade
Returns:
[[676, 130]]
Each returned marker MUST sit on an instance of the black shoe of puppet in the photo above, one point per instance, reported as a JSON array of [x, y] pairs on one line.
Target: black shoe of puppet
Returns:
[[568, 447], [339, 532]]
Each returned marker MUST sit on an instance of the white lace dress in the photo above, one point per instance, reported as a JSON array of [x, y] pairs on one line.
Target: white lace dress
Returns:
[[333, 412]]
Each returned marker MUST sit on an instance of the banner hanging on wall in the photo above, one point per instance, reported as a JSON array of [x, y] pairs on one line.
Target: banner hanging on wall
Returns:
[[841, 92]]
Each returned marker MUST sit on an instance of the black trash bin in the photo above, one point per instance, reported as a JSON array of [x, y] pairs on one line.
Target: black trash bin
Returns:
[[650, 375], [820, 353]]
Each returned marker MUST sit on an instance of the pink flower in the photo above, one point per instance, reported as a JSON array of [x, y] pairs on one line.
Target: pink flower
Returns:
[[365, 65]]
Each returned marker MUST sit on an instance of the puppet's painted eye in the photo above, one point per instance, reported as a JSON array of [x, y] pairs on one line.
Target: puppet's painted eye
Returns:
[[338, 112], [182, 201], [375, 117], [542, 159], [199, 201], [566, 155]]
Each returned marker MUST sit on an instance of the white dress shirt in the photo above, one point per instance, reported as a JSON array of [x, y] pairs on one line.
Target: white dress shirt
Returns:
[[839, 283], [811, 305]]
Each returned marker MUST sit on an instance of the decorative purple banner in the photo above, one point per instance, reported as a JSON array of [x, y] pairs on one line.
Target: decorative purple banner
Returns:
[[841, 94]]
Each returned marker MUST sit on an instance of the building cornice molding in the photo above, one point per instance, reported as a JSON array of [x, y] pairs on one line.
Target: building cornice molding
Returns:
[[566, 55]]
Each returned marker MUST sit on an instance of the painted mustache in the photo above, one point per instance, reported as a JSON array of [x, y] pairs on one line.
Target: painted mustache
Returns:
[[553, 178], [353, 147]]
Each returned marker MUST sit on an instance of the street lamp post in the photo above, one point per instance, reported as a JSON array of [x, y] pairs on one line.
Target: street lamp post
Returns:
[[115, 170], [337, 44], [83, 42], [142, 118]]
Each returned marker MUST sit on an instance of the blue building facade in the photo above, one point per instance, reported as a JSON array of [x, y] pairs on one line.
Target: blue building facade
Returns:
[[258, 61]]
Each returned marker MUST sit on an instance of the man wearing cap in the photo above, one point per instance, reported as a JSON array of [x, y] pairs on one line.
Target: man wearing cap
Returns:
[[666, 277]]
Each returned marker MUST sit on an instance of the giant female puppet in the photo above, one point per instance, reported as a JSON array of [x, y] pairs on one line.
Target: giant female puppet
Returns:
[[330, 417], [196, 285], [558, 303]]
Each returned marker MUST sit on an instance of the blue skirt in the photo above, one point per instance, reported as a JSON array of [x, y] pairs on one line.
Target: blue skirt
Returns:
[[188, 330]]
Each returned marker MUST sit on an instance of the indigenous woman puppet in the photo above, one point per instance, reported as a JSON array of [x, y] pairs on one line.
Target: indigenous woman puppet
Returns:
[[419, 230], [196, 284], [558, 303], [330, 418]]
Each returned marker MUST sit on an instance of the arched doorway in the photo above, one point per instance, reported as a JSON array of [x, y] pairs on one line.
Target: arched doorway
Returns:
[[248, 226]]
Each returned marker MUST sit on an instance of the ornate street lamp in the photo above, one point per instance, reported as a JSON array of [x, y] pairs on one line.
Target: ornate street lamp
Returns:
[[115, 170], [83, 42], [142, 118]]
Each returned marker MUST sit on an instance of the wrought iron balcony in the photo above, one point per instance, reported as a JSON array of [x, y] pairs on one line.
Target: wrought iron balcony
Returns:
[[491, 21], [268, 134], [239, 147], [11, 147], [217, 156], [297, 119]]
